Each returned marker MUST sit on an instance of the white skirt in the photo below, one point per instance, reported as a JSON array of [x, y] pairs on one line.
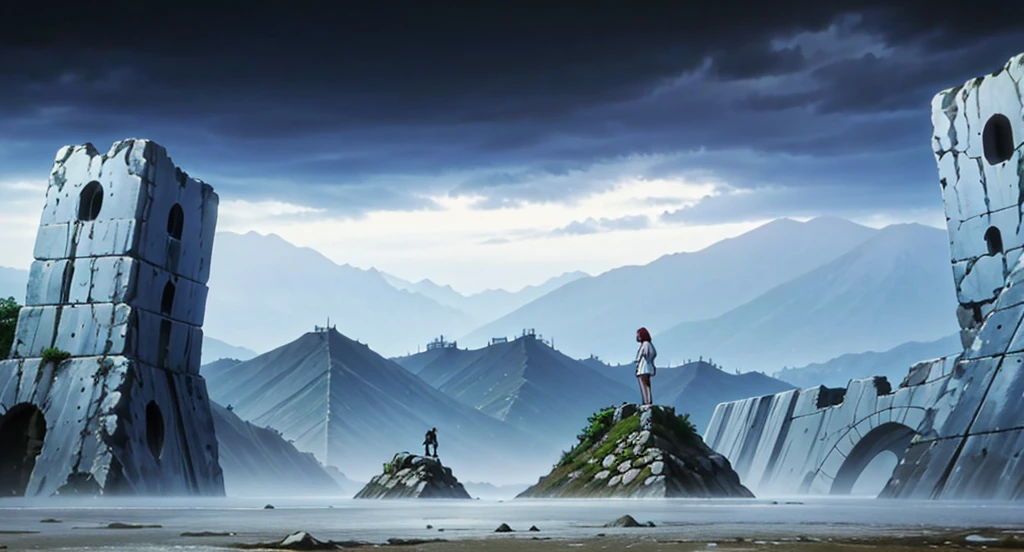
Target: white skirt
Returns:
[[644, 368]]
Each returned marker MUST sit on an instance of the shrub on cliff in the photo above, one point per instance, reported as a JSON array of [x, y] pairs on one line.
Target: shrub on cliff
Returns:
[[9, 309]]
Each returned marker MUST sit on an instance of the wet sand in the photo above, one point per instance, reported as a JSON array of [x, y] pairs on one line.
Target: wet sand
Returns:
[[633, 539], [809, 525]]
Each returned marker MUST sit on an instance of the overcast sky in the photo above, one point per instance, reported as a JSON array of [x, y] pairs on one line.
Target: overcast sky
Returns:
[[487, 144]]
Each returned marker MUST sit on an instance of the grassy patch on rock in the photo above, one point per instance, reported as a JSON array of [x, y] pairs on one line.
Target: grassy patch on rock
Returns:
[[681, 428], [576, 470]]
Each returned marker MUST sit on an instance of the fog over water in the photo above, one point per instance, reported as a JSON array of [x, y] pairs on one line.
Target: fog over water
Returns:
[[83, 522]]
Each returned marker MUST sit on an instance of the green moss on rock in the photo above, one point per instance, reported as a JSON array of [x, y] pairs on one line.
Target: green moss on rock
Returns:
[[626, 444]]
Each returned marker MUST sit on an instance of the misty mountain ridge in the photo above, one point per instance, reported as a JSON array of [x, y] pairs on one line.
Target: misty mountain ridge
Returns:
[[696, 387], [893, 288], [600, 315], [487, 305], [524, 382], [215, 349], [893, 364], [353, 409], [13, 282], [263, 289]]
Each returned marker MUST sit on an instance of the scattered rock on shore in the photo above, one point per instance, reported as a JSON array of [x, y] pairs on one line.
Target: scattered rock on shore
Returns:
[[628, 521], [624, 521]]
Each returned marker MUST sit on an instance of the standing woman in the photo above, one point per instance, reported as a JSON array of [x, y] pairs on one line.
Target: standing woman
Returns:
[[645, 368]]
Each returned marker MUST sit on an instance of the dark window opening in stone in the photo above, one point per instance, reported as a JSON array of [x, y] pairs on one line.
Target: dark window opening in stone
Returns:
[[994, 239], [164, 351], [21, 440], [66, 279], [997, 139], [154, 429], [176, 222], [90, 201], [167, 302]]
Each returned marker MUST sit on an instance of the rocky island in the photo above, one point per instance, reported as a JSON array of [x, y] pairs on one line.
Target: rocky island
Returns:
[[635, 451], [412, 476]]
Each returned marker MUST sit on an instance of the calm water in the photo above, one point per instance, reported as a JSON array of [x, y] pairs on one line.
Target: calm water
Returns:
[[82, 522]]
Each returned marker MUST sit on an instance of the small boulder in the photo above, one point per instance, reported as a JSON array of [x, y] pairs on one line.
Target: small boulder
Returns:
[[503, 528], [268, 507], [302, 540], [533, 529], [624, 521]]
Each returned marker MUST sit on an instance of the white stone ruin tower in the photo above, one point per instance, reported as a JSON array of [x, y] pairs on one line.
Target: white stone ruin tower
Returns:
[[978, 143], [119, 283]]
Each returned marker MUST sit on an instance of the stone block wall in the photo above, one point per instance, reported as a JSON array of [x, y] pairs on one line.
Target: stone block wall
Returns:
[[119, 283]]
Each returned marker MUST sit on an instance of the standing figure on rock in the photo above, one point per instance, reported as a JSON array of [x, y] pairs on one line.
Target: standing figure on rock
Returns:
[[645, 368], [430, 439]]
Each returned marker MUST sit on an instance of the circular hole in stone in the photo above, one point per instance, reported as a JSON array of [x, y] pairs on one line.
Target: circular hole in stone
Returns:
[[90, 201], [154, 429], [997, 139]]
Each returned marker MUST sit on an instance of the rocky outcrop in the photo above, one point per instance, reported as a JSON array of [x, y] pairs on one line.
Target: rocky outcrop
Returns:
[[639, 451], [102, 394], [411, 476]]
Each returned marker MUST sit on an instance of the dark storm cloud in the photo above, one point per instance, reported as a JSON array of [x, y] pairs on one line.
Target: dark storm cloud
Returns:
[[355, 107]]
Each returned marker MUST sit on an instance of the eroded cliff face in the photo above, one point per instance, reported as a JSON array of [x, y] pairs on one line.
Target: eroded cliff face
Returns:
[[412, 476], [957, 423], [639, 451], [102, 394]]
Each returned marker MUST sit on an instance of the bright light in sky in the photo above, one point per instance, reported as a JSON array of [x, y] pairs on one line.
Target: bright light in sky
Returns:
[[469, 248], [474, 249]]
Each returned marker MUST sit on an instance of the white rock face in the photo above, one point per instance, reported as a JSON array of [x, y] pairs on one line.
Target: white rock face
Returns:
[[956, 423], [119, 284]]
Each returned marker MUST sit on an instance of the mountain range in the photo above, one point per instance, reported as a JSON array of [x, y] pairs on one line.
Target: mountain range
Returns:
[[893, 364], [257, 462], [215, 349], [600, 315], [696, 387], [893, 288], [785, 294], [487, 305], [524, 382], [353, 409]]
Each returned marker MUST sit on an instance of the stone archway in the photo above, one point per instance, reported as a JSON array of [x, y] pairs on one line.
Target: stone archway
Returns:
[[22, 431], [892, 437]]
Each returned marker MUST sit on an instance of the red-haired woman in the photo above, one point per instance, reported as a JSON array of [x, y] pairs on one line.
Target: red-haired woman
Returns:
[[645, 368]]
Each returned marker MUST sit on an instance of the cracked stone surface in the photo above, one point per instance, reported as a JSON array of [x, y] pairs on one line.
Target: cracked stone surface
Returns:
[[119, 282], [411, 476], [956, 422]]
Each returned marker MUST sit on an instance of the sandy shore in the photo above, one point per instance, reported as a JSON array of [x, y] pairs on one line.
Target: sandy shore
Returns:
[[982, 539], [635, 541], [808, 524]]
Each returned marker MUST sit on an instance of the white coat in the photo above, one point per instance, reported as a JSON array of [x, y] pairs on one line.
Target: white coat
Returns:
[[645, 359]]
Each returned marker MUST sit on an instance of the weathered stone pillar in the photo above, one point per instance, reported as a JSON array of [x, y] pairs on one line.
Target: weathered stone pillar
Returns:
[[105, 364]]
